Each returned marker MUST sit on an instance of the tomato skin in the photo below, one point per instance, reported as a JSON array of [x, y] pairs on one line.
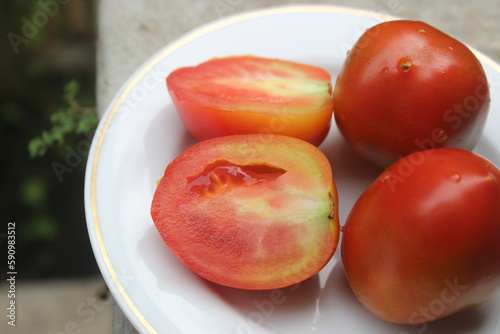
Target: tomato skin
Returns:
[[230, 96], [205, 123], [249, 211], [406, 86], [423, 241]]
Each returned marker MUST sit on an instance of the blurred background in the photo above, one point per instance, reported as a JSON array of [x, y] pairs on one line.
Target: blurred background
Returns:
[[48, 86], [47, 119]]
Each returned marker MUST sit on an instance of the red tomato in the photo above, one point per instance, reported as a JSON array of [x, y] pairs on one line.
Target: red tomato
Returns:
[[245, 94], [406, 86], [249, 211], [423, 241]]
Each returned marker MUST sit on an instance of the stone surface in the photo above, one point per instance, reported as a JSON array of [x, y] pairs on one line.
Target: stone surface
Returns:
[[130, 31], [59, 306]]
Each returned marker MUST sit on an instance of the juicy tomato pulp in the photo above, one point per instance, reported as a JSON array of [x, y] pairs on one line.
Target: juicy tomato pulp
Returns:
[[223, 175], [406, 86], [249, 211], [246, 94]]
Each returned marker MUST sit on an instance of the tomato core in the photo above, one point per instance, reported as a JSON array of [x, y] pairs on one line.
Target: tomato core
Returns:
[[223, 175]]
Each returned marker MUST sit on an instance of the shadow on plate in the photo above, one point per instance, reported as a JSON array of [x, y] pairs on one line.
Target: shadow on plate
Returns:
[[290, 309], [338, 299]]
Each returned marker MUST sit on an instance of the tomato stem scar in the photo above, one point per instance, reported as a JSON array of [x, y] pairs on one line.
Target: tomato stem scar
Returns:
[[406, 66], [332, 207]]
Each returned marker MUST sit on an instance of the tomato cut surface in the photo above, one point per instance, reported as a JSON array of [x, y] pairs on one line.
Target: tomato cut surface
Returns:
[[249, 211], [246, 94]]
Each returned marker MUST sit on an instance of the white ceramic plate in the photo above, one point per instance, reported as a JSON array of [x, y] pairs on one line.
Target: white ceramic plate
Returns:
[[141, 133]]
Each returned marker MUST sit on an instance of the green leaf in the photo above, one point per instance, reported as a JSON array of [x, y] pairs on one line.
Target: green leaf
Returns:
[[70, 90], [36, 147], [67, 121], [87, 123]]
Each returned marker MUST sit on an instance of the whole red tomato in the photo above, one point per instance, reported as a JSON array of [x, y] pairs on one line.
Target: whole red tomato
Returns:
[[423, 241], [406, 86]]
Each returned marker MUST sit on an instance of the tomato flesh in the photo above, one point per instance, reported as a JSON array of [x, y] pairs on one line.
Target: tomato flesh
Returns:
[[249, 211], [246, 94]]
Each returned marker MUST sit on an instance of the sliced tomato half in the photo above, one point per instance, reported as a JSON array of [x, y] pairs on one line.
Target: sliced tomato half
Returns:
[[249, 211], [247, 94]]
